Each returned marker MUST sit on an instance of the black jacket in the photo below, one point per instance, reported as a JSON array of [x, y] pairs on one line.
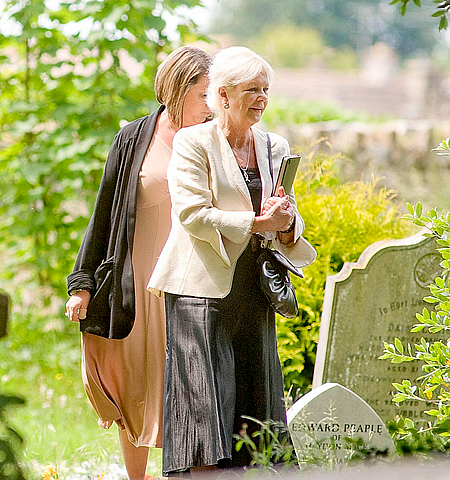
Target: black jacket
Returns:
[[104, 265]]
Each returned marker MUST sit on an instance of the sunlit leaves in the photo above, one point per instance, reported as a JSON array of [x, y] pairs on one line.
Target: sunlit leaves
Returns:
[[442, 11]]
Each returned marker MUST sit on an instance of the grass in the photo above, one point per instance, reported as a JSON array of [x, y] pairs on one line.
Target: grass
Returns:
[[40, 361]]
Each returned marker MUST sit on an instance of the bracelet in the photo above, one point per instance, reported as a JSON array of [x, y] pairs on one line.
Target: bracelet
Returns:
[[77, 290], [291, 226]]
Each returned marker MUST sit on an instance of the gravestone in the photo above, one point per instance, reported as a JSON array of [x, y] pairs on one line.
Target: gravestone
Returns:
[[374, 300], [4, 314], [322, 420]]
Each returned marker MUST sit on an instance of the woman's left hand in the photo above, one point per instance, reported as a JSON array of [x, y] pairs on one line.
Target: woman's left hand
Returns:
[[271, 201], [285, 238]]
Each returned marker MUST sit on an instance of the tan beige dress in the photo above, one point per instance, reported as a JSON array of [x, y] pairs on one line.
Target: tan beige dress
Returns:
[[124, 378]]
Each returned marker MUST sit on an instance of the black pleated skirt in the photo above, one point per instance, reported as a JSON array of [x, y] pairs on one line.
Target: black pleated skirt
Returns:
[[222, 363]]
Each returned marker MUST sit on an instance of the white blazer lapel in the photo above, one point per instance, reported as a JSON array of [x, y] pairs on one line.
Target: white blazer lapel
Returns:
[[262, 156], [231, 166]]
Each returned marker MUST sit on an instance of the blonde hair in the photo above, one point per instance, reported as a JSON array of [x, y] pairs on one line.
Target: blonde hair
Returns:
[[176, 75], [231, 67]]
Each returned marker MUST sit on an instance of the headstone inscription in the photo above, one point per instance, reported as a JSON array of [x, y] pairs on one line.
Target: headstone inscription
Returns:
[[322, 420], [374, 300], [4, 314]]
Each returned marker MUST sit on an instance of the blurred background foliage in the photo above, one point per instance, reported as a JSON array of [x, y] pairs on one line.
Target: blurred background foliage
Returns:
[[348, 26]]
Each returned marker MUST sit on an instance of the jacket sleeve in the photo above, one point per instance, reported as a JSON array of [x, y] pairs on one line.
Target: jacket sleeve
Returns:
[[95, 242], [192, 198]]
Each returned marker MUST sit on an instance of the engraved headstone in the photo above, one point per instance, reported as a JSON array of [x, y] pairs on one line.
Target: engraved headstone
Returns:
[[374, 300], [4, 314], [322, 420]]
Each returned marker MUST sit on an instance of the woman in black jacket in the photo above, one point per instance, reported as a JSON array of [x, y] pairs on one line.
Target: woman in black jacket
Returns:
[[123, 340]]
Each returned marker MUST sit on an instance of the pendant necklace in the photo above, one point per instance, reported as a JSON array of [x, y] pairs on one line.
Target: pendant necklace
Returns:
[[244, 169]]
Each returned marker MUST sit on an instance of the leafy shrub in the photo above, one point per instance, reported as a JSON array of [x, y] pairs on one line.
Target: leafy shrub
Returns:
[[342, 219], [432, 387]]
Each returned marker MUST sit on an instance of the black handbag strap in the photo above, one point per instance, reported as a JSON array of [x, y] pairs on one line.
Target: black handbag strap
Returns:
[[267, 251], [277, 257], [269, 151], [263, 242]]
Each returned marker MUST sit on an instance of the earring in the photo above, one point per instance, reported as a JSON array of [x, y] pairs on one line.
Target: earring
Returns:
[[226, 105]]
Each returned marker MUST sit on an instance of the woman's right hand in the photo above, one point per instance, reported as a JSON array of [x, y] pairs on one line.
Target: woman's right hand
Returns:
[[277, 217], [77, 305]]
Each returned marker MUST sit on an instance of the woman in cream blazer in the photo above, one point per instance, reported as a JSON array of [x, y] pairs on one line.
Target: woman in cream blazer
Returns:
[[222, 361], [212, 214]]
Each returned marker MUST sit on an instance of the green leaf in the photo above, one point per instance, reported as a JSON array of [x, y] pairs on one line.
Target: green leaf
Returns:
[[418, 209], [399, 397], [443, 24], [419, 222], [408, 423], [435, 329], [75, 149], [417, 328], [433, 412], [431, 299], [399, 345], [385, 356]]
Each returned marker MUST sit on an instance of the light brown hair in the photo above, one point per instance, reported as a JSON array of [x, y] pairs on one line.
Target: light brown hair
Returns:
[[176, 75]]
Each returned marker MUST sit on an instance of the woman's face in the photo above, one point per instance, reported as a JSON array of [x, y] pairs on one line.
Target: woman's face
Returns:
[[248, 100], [195, 108]]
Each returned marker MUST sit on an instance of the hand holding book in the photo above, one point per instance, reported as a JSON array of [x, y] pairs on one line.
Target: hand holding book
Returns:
[[286, 175]]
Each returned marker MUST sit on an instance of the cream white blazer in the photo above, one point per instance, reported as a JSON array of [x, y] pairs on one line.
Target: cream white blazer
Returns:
[[212, 213]]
